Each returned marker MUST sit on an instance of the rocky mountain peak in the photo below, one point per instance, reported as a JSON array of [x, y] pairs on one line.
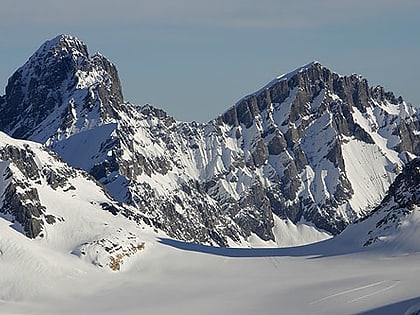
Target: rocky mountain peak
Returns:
[[313, 117], [61, 45], [59, 91], [312, 91], [310, 80]]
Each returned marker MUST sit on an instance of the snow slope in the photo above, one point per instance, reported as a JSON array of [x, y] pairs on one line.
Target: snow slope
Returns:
[[172, 277], [63, 210], [395, 222], [335, 276]]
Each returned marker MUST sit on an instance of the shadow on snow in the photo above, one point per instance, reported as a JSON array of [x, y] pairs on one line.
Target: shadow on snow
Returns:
[[409, 307], [326, 248]]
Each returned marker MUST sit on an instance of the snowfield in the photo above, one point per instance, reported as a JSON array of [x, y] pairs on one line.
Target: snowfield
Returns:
[[173, 277]]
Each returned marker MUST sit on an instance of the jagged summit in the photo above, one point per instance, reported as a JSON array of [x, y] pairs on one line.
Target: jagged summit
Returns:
[[62, 43], [317, 74], [285, 76], [310, 80], [59, 91], [289, 75]]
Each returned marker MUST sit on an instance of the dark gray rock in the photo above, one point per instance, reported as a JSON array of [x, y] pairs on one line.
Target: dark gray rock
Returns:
[[410, 138], [277, 145], [24, 207], [260, 153], [23, 159]]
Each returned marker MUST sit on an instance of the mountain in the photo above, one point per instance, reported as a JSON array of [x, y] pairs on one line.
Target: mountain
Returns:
[[311, 152], [58, 83]]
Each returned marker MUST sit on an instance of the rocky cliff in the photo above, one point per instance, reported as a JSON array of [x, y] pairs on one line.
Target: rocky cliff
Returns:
[[60, 91]]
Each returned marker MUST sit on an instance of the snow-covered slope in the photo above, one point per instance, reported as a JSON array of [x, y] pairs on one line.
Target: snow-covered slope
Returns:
[[188, 278], [339, 275], [395, 223], [63, 209], [311, 149]]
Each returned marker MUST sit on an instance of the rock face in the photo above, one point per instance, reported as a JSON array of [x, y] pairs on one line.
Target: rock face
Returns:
[[34, 181], [60, 88], [323, 132], [310, 147]]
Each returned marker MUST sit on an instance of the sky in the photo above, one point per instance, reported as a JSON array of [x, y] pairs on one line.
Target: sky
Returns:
[[196, 58]]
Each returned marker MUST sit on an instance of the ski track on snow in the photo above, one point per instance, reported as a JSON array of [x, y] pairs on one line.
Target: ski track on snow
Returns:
[[373, 286]]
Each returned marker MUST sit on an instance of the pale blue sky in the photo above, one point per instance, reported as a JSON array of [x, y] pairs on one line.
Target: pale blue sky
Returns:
[[196, 58]]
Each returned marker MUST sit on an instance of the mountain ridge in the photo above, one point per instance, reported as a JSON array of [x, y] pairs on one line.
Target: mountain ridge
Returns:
[[289, 153]]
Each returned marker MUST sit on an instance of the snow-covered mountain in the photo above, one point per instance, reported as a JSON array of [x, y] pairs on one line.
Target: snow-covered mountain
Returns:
[[66, 209], [60, 91], [311, 151]]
